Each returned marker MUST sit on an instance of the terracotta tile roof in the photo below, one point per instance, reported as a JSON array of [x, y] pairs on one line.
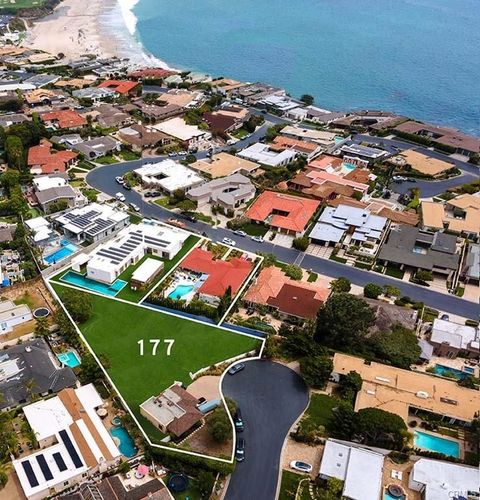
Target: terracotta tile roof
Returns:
[[120, 86], [150, 73], [49, 161], [329, 190], [281, 143], [192, 415], [359, 175], [67, 118], [221, 274], [283, 211], [324, 162], [219, 121]]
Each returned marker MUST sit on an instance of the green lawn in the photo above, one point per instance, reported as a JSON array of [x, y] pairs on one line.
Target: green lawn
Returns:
[[255, 229], [106, 160], [289, 485], [395, 272], [20, 4], [127, 155], [115, 328], [320, 408]]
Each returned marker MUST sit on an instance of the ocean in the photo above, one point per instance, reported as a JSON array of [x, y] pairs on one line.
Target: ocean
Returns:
[[420, 58]]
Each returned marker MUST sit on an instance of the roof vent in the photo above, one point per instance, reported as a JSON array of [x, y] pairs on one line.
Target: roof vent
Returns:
[[422, 394]]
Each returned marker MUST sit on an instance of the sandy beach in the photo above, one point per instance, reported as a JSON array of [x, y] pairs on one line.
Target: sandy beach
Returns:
[[89, 27]]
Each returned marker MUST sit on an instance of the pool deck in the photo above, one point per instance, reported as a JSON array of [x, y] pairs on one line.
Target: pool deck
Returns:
[[461, 446], [405, 469]]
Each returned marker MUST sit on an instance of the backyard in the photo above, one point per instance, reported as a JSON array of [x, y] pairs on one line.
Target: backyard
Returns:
[[115, 329]]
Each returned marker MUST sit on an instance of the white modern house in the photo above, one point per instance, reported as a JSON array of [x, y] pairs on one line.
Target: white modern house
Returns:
[[74, 443], [168, 175], [12, 315], [107, 261], [261, 153], [190, 136], [41, 230]]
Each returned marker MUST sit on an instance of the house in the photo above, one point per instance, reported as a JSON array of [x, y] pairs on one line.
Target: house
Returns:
[[438, 480], [463, 215], [424, 164], [173, 411], [31, 361], [405, 392], [63, 119], [388, 315], [371, 119], [253, 93], [150, 74], [283, 213], [325, 139], [140, 137], [226, 86], [107, 261], [122, 87], [91, 223], [304, 148], [414, 248], [11, 270], [451, 139], [109, 116], [72, 83], [229, 192], [221, 275], [190, 136], [41, 232], [43, 160], [294, 301], [13, 119], [12, 315], [471, 264], [182, 98], [48, 196], [168, 175], [155, 113], [280, 104], [314, 114], [145, 273], [264, 154], [223, 164], [40, 80], [218, 122], [74, 444], [43, 97], [349, 226], [359, 468], [364, 155], [98, 147], [450, 340], [95, 94]]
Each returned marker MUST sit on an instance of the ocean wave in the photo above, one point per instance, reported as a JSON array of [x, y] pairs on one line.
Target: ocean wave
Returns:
[[130, 19]]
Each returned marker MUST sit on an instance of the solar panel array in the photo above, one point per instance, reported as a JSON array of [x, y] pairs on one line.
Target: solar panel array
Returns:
[[32, 478], [71, 449], [99, 226], [83, 220], [59, 461], [47, 473]]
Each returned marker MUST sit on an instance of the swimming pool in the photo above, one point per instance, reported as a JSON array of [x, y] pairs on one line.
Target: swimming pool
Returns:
[[442, 370], [388, 496], [349, 166], [436, 443], [82, 281], [123, 440], [180, 291], [66, 249], [69, 358]]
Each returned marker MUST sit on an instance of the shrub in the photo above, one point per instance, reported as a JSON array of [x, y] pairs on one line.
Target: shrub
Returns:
[[301, 243], [294, 272], [372, 291]]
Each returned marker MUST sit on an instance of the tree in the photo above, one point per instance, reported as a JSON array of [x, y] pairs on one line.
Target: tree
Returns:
[[341, 422], [10, 179], [344, 322], [299, 343], [90, 371], [372, 291], [340, 285], [399, 346], [301, 243], [307, 99], [219, 426], [57, 206], [391, 291], [15, 153], [333, 489], [294, 272], [424, 275], [41, 327], [349, 385], [205, 482], [316, 370], [376, 427], [78, 304]]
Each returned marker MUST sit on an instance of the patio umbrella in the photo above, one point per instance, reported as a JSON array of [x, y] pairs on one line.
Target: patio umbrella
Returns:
[[143, 470]]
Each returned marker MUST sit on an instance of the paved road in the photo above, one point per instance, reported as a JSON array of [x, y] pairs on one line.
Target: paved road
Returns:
[[103, 179], [271, 397], [428, 189]]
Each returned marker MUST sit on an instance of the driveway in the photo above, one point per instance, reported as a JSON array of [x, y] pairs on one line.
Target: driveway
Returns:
[[271, 397]]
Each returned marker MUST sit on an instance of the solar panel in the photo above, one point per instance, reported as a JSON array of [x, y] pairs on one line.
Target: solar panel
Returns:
[[60, 462], [115, 260], [47, 474], [32, 479], [71, 449]]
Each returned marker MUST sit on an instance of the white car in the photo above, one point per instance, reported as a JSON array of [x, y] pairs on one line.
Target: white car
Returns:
[[119, 180], [241, 233], [301, 466], [120, 197], [134, 207], [228, 241], [258, 239]]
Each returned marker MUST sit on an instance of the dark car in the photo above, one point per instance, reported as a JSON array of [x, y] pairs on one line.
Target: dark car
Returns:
[[240, 451], [238, 421], [189, 217], [148, 194], [127, 187], [236, 368]]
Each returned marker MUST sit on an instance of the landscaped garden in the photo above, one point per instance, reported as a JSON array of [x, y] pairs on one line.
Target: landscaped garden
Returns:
[[115, 329]]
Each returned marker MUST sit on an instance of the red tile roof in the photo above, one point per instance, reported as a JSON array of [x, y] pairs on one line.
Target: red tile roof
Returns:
[[66, 118], [286, 212], [49, 161], [221, 274], [281, 143], [150, 73], [120, 86]]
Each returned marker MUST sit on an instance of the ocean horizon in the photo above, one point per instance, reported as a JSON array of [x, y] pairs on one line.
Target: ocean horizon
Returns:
[[418, 58]]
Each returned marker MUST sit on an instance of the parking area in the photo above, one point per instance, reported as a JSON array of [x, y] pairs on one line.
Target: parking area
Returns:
[[319, 251]]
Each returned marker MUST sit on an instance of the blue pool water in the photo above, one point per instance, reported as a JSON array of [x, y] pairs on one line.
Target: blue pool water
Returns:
[[436, 443], [69, 358], [411, 46], [180, 291], [349, 166], [82, 281], [441, 370], [66, 249], [127, 445], [387, 496]]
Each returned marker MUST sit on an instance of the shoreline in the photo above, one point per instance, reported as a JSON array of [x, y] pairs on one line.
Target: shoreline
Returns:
[[105, 28]]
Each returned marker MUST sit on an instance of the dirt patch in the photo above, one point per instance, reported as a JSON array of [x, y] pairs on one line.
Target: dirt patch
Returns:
[[33, 293], [205, 387], [201, 442]]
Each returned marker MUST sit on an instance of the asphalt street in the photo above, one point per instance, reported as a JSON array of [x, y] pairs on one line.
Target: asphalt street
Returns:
[[271, 398], [103, 179]]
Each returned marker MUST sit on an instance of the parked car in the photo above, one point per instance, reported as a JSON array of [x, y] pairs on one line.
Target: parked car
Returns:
[[176, 222], [445, 317], [148, 194], [301, 466], [156, 193], [239, 232], [119, 180], [236, 368], [228, 241], [189, 217], [238, 421], [127, 186], [240, 451], [134, 207], [120, 197], [258, 239]]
